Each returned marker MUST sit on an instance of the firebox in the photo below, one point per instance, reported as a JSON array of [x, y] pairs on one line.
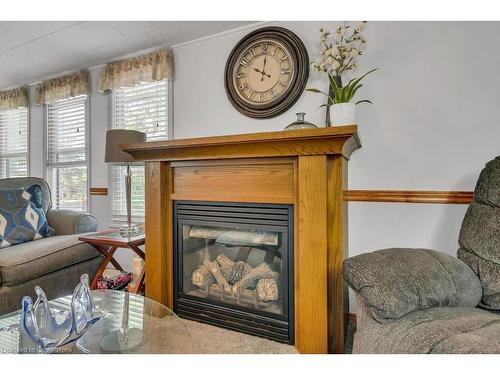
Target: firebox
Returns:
[[233, 266]]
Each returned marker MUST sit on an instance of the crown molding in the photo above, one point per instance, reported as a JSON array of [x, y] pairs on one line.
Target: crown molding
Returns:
[[222, 33]]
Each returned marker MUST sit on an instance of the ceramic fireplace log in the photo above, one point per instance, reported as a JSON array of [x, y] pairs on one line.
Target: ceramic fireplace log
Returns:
[[224, 260], [262, 278], [263, 271], [202, 277], [216, 273], [235, 237], [246, 297], [247, 239], [267, 290]]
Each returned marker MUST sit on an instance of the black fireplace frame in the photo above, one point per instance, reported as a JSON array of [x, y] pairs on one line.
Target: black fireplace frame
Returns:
[[277, 327]]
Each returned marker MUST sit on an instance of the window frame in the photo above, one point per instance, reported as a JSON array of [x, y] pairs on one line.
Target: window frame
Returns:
[[87, 149], [111, 125], [28, 138]]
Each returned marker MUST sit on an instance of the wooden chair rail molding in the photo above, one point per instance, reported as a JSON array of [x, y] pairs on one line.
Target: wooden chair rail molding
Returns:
[[98, 191], [410, 196]]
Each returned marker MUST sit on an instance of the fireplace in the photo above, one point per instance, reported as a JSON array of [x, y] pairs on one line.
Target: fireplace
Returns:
[[301, 169], [233, 266]]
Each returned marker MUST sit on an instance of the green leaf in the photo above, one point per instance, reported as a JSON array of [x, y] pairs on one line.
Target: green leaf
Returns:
[[316, 91], [333, 82], [336, 94], [363, 76], [355, 90], [324, 105], [343, 95], [354, 85], [349, 83], [363, 101], [349, 93]]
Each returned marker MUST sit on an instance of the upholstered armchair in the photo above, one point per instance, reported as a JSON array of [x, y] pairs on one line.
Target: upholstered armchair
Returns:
[[424, 301], [54, 263]]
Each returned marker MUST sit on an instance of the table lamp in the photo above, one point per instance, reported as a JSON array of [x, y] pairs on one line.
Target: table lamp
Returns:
[[116, 156]]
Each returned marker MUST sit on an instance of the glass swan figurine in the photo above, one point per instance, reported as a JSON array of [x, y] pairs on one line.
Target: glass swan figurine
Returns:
[[49, 329]]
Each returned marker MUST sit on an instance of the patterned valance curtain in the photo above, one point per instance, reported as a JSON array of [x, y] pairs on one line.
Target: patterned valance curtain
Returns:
[[154, 66], [63, 87], [12, 99]]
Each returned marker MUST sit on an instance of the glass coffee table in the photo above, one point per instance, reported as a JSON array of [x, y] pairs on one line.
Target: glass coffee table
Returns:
[[129, 323]]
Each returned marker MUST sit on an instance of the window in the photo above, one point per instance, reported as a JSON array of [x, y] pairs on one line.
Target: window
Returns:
[[67, 152], [144, 108], [14, 143]]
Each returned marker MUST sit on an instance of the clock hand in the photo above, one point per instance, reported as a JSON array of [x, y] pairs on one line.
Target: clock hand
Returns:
[[263, 73], [263, 69]]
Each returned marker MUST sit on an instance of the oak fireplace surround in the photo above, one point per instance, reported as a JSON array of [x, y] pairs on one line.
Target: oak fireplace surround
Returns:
[[305, 169]]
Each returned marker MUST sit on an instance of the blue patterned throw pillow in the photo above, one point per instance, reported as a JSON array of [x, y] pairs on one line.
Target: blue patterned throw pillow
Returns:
[[22, 218]]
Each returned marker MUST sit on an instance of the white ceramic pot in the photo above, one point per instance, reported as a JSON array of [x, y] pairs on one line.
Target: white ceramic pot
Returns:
[[343, 114]]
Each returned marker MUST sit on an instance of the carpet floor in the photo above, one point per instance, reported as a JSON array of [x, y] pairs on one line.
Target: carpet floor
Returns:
[[214, 340]]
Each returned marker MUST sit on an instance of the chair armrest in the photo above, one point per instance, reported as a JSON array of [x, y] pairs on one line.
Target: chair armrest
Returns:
[[363, 314], [65, 221], [395, 282]]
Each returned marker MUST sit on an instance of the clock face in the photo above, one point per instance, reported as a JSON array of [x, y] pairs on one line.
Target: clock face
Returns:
[[266, 72]]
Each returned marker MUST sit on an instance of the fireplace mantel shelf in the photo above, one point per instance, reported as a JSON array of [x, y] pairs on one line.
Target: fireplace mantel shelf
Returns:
[[304, 169], [332, 140]]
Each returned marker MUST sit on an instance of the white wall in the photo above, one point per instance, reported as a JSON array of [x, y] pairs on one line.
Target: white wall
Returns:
[[432, 126]]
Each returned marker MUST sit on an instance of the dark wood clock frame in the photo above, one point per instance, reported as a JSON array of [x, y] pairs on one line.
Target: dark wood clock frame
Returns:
[[298, 81]]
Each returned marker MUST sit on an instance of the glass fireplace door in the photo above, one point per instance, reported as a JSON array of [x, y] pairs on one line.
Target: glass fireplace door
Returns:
[[235, 261], [233, 265]]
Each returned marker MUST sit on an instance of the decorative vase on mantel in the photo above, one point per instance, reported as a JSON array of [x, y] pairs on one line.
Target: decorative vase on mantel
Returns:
[[338, 81], [343, 113], [301, 123]]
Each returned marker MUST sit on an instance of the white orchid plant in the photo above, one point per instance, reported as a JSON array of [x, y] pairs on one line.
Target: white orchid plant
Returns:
[[340, 49]]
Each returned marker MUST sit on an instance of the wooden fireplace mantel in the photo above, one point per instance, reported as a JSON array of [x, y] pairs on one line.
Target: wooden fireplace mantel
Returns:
[[306, 168], [335, 140]]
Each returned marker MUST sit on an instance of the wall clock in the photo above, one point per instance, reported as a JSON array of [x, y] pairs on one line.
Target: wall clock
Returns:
[[266, 72]]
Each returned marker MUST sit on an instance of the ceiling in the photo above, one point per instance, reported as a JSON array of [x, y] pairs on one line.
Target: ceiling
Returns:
[[30, 51]]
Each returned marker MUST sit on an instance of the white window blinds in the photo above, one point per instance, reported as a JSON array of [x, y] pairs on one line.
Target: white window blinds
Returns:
[[144, 108], [14, 143], [67, 152]]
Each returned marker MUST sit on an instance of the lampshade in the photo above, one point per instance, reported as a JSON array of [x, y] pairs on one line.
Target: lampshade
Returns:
[[115, 139]]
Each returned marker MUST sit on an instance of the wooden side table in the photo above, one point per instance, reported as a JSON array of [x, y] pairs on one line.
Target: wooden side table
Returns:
[[107, 242]]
